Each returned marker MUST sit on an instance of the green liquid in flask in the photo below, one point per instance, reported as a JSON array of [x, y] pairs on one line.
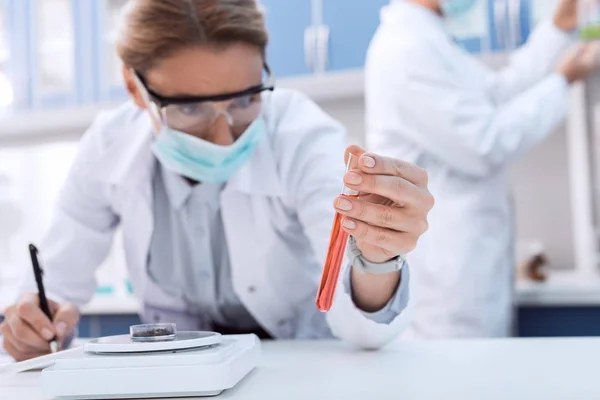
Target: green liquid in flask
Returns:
[[590, 32]]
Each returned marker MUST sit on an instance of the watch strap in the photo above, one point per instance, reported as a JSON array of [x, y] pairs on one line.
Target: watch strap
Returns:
[[357, 260]]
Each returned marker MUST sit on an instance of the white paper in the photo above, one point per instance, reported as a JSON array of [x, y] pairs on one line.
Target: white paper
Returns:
[[472, 25], [542, 9], [37, 363], [9, 366], [5, 360]]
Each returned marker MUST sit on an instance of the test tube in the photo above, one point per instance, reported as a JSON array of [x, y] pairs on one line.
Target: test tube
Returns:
[[337, 248]]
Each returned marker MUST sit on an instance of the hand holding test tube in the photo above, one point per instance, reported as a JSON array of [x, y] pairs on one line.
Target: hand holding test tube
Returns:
[[384, 205]]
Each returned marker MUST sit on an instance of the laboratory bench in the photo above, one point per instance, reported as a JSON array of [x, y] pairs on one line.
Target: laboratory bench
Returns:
[[461, 369], [565, 305]]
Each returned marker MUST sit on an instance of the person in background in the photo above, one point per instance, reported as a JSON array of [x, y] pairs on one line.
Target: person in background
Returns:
[[430, 102], [223, 188]]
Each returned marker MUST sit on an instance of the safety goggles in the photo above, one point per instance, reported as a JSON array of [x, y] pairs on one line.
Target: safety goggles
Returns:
[[196, 114]]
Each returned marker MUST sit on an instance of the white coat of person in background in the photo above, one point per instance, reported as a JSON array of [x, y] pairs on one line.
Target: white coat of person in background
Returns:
[[431, 103], [225, 191]]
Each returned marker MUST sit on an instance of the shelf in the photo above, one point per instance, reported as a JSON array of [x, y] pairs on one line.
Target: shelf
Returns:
[[115, 305], [72, 122], [99, 305], [35, 124], [330, 86], [561, 290]]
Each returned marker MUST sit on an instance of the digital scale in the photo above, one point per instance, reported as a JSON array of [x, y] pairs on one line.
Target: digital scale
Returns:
[[152, 361]]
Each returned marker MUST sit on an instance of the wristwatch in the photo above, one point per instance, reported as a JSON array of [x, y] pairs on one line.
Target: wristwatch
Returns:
[[357, 260]]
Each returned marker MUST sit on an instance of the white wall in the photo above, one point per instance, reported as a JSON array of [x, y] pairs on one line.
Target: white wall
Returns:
[[351, 114], [543, 205], [35, 174]]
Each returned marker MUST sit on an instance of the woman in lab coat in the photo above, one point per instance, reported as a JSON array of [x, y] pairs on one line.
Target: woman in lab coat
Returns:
[[430, 102], [223, 189]]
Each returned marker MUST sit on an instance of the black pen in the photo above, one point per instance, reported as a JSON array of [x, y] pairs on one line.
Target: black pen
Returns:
[[37, 271]]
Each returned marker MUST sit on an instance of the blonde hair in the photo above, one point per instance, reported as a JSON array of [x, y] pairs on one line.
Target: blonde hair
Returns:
[[152, 30]]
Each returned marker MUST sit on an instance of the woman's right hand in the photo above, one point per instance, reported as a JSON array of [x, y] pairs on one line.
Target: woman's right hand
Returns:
[[26, 330], [581, 62]]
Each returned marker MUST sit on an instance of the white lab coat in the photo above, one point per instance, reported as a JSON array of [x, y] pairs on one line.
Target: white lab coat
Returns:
[[277, 213], [432, 103]]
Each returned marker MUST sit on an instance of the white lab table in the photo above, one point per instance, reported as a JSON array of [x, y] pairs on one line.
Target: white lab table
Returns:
[[449, 370]]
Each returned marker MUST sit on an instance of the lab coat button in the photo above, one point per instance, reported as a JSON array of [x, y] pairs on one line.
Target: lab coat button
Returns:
[[251, 289], [281, 322]]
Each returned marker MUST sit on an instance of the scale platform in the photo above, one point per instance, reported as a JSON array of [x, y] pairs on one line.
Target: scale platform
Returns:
[[106, 369]]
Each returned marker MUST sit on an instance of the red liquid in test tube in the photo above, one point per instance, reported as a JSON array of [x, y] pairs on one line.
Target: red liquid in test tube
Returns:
[[336, 251]]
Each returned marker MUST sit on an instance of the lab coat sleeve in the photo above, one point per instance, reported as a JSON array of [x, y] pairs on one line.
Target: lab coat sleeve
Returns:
[[463, 127], [314, 177], [80, 233], [394, 307], [532, 62]]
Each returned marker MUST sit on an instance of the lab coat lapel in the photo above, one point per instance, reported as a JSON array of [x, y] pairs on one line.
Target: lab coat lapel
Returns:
[[259, 175], [241, 199], [256, 180], [245, 210]]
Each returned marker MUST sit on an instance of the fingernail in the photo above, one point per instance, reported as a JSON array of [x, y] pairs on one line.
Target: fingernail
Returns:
[[349, 224], [344, 205], [47, 334], [368, 161], [61, 328], [353, 178]]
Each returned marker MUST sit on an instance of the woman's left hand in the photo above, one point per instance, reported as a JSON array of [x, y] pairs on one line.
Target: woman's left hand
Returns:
[[565, 16], [391, 212]]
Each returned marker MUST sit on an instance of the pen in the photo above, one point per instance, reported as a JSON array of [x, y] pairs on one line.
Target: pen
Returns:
[[37, 271]]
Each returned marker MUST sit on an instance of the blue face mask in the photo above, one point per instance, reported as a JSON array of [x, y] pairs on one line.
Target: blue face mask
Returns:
[[203, 161], [456, 8]]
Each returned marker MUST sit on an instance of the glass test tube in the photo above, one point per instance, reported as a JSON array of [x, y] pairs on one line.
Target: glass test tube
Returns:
[[337, 248]]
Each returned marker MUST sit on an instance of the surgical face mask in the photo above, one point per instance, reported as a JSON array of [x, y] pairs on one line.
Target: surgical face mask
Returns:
[[456, 8], [203, 161]]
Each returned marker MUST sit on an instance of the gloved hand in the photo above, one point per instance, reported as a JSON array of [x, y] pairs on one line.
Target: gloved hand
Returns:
[[26, 330], [580, 62], [565, 17]]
